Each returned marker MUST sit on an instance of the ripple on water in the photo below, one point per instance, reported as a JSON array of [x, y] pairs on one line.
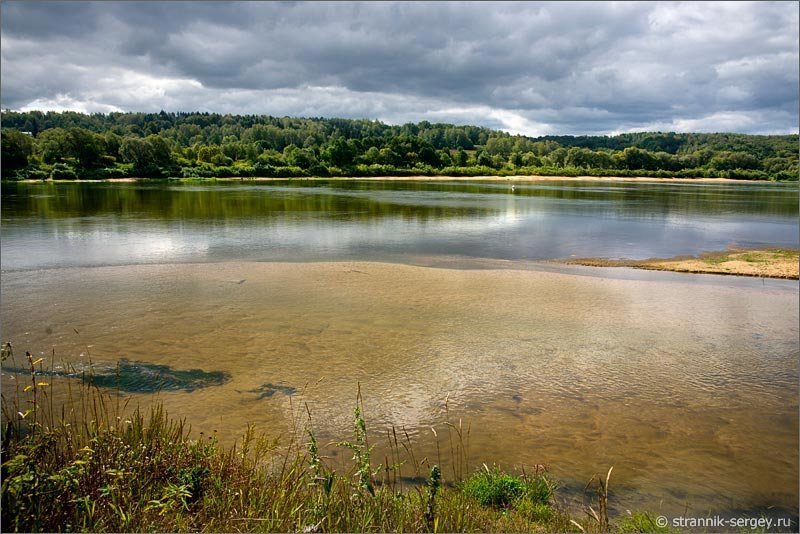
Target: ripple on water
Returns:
[[659, 376]]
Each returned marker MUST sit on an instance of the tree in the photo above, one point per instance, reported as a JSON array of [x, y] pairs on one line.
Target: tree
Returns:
[[372, 156], [428, 156], [112, 142], [299, 157], [387, 157], [86, 147], [138, 152], [461, 158], [16, 147], [484, 159], [161, 151], [499, 145], [271, 157], [338, 152], [637, 159], [578, 157], [445, 160], [53, 145], [557, 157], [150, 157], [726, 161], [543, 148], [529, 159], [214, 155]]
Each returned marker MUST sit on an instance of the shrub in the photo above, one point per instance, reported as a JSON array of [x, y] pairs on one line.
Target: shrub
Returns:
[[93, 174], [117, 172], [786, 175], [493, 487], [747, 174], [34, 173], [62, 171], [318, 170]]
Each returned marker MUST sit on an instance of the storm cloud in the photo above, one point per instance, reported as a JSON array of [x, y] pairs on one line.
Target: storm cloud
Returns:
[[532, 68]]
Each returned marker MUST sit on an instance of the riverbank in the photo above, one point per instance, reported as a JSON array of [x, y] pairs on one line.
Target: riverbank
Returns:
[[421, 178], [767, 263]]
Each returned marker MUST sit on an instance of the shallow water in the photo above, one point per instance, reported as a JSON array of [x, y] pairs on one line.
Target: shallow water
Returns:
[[686, 384]]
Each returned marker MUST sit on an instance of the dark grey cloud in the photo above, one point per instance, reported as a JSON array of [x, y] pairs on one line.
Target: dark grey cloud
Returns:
[[525, 67]]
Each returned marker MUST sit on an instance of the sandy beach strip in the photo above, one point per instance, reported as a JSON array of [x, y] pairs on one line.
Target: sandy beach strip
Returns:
[[514, 178]]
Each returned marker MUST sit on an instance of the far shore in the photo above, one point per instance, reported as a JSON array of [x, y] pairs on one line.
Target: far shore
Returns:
[[767, 263], [420, 178]]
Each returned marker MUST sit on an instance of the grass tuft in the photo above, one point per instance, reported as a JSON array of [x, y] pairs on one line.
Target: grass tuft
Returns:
[[493, 487], [640, 522]]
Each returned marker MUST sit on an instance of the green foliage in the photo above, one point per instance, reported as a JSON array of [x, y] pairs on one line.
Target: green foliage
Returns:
[[339, 152], [493, 487], [434, 485], [15, 148], [361, 452], [203, 145], [639, 522], [63, 171], [53, 145], [299, 157], [35, 173], [151, 156], [87, 148]]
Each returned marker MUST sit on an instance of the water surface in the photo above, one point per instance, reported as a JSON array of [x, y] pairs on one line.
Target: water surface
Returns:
[[55, 225], [687, 384]]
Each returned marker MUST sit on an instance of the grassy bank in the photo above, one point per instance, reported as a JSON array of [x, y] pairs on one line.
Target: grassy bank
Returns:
[[92, 464], [767, 263]]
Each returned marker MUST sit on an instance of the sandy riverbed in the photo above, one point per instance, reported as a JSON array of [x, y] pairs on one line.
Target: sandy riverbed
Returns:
[[685, 384]]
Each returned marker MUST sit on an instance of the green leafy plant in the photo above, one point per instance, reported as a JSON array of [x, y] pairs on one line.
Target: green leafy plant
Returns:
[[493, 487], [361, 452]]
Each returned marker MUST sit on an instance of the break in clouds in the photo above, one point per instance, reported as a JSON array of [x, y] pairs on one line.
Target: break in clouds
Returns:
[[531, 68]]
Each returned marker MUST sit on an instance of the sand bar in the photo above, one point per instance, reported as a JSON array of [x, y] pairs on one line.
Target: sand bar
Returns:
[[768, 263]]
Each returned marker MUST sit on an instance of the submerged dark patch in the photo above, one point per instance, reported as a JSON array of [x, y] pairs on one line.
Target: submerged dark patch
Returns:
[[139, 377], [269, 389], [148, 378]]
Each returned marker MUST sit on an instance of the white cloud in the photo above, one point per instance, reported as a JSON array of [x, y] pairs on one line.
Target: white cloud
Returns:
[[532, 68], [66, 103]]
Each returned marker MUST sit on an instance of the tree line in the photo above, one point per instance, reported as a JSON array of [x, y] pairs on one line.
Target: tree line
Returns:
[[71, 145]]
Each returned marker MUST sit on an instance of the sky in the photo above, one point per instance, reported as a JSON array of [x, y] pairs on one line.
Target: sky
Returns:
[[533, 68]]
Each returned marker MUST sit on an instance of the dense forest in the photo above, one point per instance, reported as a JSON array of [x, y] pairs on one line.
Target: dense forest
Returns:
[[71, 145]]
